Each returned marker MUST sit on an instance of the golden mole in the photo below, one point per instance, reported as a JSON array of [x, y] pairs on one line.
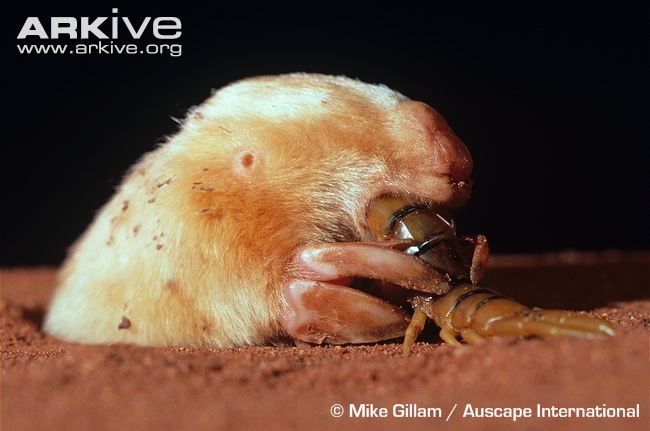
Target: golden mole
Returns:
[[249, 225]]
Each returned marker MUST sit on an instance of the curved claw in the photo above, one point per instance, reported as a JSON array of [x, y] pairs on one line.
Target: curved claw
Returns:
[[321, 312], [332, 261], [322, 308]]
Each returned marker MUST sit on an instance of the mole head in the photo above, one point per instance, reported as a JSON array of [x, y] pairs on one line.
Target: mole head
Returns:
[[317, 149]]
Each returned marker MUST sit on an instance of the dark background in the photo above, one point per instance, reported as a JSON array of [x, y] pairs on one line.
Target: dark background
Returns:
[[552, 104]]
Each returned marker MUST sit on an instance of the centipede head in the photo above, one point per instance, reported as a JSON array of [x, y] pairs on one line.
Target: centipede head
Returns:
[[432, 230]]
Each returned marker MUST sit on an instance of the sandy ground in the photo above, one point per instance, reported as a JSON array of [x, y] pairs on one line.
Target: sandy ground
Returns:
[[48, 384]]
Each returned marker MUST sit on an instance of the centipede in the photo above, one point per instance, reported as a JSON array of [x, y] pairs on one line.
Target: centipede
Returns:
[[468, 310]]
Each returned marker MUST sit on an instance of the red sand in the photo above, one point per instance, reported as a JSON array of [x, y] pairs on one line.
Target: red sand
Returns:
[[48, 384]]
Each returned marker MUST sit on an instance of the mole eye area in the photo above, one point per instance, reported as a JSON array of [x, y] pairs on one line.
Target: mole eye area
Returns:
[[246, 162]]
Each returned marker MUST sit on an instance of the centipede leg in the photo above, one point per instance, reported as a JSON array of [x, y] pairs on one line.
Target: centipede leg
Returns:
[[471, 336], [414, 329], [449, 337]]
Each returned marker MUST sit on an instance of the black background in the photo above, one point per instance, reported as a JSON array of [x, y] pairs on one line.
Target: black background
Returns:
[[552, 104]]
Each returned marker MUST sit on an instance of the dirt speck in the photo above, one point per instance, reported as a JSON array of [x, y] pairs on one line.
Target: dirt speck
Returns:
[[125, 323], [164, 183]]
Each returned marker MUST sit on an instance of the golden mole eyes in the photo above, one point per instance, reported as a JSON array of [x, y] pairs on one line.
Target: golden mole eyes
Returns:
[[247, 161]]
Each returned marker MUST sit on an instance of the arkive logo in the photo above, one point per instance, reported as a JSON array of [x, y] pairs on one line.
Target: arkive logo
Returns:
[[166, 27], [99, 29]]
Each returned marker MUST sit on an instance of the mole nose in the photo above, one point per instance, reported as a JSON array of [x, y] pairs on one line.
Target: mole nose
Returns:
[[451, 158]]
